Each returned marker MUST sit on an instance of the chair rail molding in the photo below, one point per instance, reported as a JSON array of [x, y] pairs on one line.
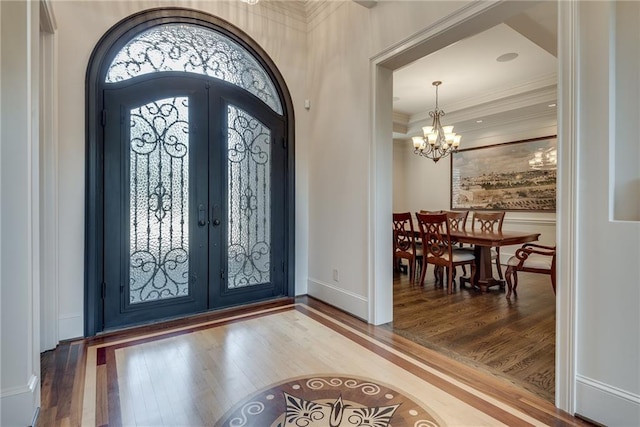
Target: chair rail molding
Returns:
[[530, 220]]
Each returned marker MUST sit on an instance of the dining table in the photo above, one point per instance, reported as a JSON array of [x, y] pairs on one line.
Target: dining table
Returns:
[[482, 242]]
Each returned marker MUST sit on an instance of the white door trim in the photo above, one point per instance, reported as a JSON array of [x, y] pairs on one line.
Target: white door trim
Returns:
[[469, 20], [49, 336]]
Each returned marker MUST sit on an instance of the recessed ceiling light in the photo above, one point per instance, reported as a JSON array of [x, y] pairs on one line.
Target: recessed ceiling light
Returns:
[[478, 121], [552, 105], [507, 57]]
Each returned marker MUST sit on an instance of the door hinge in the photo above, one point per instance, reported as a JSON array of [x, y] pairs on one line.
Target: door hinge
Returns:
[[121, 289], [104, 118], [284, 143], [104, 290], [222, 274]]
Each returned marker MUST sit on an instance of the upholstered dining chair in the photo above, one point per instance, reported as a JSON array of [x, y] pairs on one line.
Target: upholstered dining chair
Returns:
[[458, 222], [533, 258], [490, 221], [404, 243], [438, 249]]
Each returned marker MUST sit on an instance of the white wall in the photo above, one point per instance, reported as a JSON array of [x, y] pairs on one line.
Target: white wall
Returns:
[[19, 225], [329, 62], [625, 85], [608, 282], [342, 38], [80, 26]]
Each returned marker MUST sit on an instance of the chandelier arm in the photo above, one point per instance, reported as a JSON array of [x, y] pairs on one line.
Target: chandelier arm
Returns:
[[434, 144]]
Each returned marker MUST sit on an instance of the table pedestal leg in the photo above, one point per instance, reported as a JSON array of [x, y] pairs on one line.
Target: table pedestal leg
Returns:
[[484, 271]]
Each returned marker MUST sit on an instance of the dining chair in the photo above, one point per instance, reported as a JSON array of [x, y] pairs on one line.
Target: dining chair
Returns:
[[532, 258], [404, 243], [491, 222], [437, 271], [438, 249], [458, 222]]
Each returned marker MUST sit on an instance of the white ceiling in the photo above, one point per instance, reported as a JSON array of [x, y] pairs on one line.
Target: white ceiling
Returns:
[[471, 76]]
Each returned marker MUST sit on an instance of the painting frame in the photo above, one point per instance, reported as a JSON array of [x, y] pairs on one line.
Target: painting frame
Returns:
[[511, 176]]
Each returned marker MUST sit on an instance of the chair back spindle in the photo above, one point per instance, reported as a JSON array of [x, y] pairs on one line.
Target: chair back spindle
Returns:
[[487, 221]]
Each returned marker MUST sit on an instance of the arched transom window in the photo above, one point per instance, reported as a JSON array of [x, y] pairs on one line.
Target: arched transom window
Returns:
[[194, 49]]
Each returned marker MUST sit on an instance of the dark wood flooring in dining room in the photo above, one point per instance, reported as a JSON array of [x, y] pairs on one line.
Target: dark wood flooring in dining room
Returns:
[[512, 339]]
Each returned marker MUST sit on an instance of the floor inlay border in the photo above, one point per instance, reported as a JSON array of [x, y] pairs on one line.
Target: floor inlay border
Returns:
[[102, 394]]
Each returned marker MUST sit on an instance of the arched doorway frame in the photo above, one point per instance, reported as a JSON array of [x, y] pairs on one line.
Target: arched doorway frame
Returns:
[[106, 48], [467, 21]]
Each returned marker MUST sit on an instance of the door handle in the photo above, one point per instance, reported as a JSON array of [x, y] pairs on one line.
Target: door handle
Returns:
[[202, 215], [216, 221]]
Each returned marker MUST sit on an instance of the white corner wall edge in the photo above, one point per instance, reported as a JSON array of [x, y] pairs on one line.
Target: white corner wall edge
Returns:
[[609, 405], [70, 326], [354, 304], [21, 400]]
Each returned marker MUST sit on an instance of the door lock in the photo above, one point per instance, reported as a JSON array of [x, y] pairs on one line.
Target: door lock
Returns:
[[202, 215], [214, 210]]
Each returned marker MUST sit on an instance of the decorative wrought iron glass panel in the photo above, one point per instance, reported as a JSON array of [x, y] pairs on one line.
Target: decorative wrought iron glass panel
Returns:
[[193, 49], [249, 166], [159, 201]]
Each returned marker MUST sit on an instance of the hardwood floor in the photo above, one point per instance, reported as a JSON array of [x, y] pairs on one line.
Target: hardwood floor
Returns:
[[198, 372], [512, 339]]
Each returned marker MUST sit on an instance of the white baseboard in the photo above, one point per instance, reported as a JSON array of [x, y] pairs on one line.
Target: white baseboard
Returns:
[[354, 304], [70, 326], [605, 404], [20, 404]]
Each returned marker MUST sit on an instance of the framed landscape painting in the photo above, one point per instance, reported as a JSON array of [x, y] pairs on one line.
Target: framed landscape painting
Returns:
[[513, 176]]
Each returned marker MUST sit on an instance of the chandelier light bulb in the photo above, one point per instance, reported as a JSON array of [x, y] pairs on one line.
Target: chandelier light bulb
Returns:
[[438, 141]]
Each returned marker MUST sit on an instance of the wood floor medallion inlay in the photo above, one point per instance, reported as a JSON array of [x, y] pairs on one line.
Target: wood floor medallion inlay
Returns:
[[328, 401], [290, 365]]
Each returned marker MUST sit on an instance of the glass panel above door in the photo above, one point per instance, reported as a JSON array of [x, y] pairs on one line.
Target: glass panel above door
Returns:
[[249, 201], [193, 49], [159, 195]]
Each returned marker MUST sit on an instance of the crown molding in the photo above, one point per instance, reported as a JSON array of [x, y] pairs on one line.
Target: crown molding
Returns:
[[367, 3], [532, 92], [496, 106], [415, 128], [295, 10], [47, 18], [400, 122], [318, 10]]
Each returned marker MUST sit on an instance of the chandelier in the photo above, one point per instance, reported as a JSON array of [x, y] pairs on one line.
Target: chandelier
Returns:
[[438, 141], [251, 2]]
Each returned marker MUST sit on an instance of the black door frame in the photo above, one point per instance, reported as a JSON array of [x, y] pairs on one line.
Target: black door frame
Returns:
[[104, 52]]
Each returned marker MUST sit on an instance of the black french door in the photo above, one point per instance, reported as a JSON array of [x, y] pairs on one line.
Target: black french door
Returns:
[[194, 199]]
